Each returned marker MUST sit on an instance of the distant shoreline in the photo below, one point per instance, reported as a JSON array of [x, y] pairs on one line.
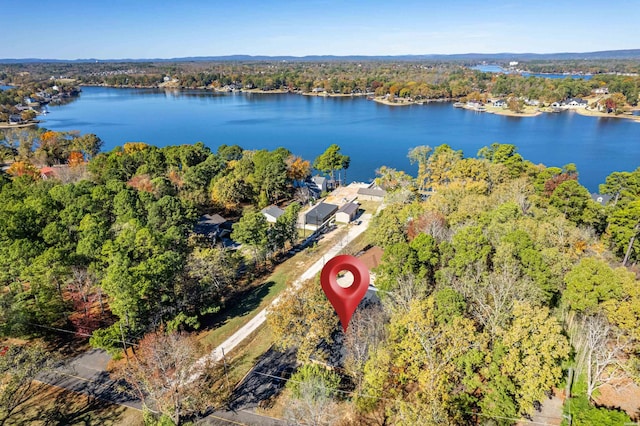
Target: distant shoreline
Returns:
[[398, 102]]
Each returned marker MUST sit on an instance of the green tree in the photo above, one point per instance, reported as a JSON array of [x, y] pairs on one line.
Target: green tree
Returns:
[[534, 349], [624, 229], [251, 230], [303, 319], [592, 282], [423, 363], [574, 201], [331, 160]]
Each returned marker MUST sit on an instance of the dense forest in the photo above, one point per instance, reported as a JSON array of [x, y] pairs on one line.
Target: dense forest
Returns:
[[505, 277], [104, 243]]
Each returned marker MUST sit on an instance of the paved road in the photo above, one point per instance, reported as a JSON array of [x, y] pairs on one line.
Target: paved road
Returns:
[[87, 374], [233, 341]]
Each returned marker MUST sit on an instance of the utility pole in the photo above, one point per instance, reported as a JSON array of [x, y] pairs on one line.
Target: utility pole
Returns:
[[226, 375]]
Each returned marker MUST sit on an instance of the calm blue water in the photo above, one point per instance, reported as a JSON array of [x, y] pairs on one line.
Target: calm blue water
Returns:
[[371, 133], [497, 69]]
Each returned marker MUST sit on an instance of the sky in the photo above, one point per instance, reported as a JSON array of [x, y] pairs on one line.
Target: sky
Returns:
[[118, 29]]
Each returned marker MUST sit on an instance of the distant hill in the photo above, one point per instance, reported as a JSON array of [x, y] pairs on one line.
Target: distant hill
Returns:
[[605, 54]]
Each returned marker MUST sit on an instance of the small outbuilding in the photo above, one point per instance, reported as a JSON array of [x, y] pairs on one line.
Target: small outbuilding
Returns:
[[347, 212], [272, 213]]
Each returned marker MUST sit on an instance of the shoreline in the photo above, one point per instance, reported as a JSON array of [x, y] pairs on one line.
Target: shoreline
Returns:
[[591, 113], [400, 102], [17, 126]]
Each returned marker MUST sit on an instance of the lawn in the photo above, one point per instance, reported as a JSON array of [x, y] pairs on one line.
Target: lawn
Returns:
[[245, 355], [236, 315]]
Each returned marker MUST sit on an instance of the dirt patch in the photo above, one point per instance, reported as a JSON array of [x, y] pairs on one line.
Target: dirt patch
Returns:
[[625, 396]]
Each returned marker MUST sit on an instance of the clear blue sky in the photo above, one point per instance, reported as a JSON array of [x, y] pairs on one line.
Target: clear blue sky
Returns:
[[162, 29]]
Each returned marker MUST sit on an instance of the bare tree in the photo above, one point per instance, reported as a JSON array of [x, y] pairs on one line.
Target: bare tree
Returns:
[[409, 288], [161, 376], [492, 295], [600, 349], [366, 331], [19, 366]]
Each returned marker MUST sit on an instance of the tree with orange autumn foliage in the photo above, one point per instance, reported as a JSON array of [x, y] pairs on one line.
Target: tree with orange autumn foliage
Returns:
[[23, 168], [141, 183], [297, 168], [75, 159]]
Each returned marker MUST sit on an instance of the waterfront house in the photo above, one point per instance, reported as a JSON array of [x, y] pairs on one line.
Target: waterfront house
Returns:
[[272, 213], [500, 103], [575, 103], [347, 212], [15, 119], [373, 193], [317, 185]]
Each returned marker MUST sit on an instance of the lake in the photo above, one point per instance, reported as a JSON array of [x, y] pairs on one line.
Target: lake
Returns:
[[499, 69], [371, 133]]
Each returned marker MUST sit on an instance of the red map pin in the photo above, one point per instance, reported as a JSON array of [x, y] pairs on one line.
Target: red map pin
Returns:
[[345, 300]]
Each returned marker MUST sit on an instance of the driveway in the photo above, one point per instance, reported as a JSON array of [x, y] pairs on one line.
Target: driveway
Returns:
[[234, 340]]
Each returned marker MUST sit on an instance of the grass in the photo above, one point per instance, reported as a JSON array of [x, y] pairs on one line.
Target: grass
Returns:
[[53, 405], [233, 317], [369, 206], [245, 355]]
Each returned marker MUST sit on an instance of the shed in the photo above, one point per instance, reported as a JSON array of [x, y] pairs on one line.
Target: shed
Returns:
[[319, 214], [272, 213], [347, 212]]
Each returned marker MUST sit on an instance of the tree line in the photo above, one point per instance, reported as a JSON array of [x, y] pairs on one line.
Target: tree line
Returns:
[[417, 80]]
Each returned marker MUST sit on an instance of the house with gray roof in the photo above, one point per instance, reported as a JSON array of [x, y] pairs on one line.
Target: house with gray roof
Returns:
[[373, 193], [603, 199], [319, 214], [272, 213], [210, 226]]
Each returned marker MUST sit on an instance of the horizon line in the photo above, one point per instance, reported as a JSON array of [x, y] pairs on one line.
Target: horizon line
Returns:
[[249, 56]]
